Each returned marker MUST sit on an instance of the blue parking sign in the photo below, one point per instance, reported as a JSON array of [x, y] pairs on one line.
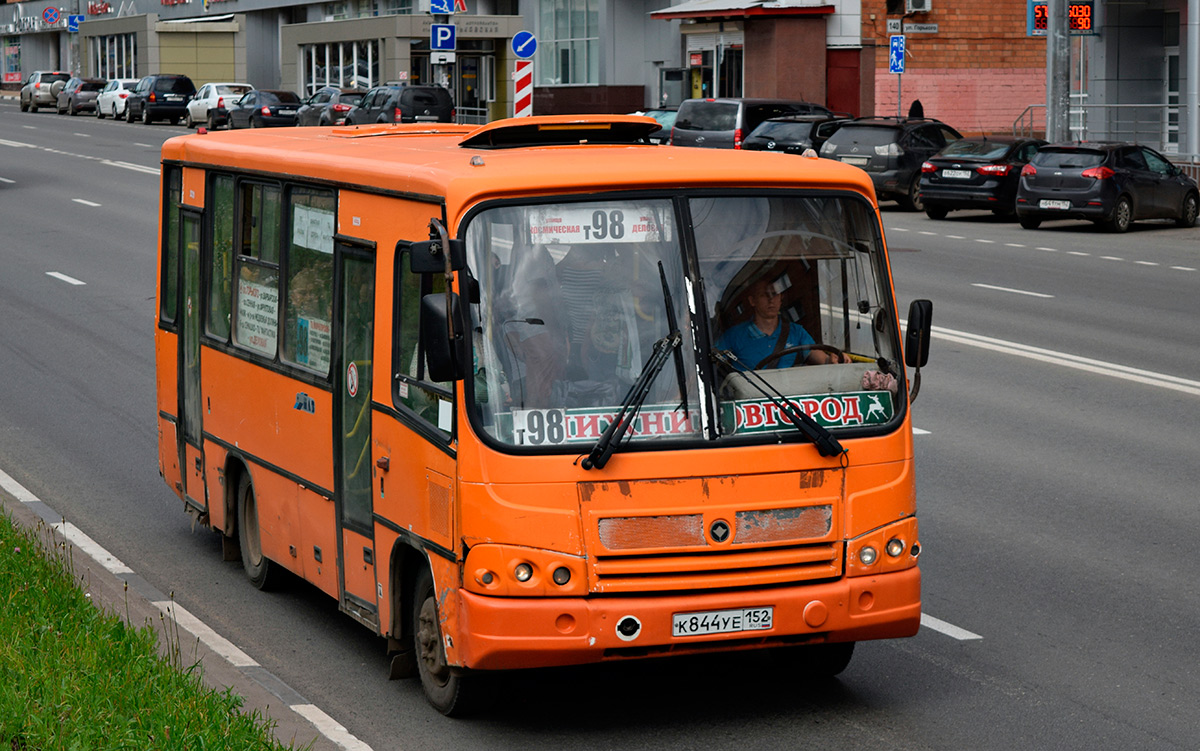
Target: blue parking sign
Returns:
[[896, 54], [442, 37]]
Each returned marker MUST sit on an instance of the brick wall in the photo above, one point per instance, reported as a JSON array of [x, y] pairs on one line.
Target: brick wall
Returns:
[[977, 73]]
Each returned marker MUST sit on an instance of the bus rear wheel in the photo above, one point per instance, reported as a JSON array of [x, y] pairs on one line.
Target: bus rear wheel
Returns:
[[451, 691], [262, 573]]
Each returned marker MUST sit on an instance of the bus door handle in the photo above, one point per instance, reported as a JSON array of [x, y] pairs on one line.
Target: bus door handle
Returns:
[[383, 463]]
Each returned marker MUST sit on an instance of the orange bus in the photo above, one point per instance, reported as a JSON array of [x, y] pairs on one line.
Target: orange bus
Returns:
[[542, 393]]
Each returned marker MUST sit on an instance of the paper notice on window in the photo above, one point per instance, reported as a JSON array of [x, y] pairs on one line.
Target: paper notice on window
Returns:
[[313, 343], [312, 228], [257, 317]]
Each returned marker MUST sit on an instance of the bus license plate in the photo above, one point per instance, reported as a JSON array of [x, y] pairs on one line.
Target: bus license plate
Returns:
[[722, 621], [1048, 204], [957, 174]]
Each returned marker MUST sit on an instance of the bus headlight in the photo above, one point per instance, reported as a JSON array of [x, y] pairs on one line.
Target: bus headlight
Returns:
[[523, 572], [895, 547], [516, 571], [867, 555]]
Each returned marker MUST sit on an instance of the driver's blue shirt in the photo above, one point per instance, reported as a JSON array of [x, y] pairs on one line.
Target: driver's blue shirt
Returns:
[[751, 346]]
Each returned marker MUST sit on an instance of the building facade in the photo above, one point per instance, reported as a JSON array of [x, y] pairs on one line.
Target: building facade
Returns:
[[979, 67]]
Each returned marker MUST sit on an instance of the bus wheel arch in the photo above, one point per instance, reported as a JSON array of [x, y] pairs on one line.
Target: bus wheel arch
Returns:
[[262, 572]]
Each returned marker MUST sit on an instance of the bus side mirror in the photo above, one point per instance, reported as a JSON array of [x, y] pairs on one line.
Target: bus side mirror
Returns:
[[446, 357], [916, 338], [427, 257]]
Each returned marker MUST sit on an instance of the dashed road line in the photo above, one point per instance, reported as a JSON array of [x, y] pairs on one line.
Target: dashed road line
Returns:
[[1013, 291], [949, 629], [6, 181], [85, 202], [64, 278]]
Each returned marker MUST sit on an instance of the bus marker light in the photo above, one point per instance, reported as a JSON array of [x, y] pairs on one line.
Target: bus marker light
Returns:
[[628, 628], [867, 555], [486, 577], [916, 549], [562, 575], [895, 547], [523, 572]]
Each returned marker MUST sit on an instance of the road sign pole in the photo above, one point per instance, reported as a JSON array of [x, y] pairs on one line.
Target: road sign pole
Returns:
[[523, 102]]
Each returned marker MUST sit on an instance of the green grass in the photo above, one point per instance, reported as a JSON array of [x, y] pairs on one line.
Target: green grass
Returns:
[[73, 676]]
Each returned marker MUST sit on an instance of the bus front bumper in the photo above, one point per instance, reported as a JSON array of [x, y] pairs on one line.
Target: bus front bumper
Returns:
[[498, 633]]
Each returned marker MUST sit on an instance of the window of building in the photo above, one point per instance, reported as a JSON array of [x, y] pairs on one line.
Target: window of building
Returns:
[[343, 64], [12, 59], [570, 34], [114, 56]]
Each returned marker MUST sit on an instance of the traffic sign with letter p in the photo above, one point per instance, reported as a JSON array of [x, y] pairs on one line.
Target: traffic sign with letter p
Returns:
[[441, 37]]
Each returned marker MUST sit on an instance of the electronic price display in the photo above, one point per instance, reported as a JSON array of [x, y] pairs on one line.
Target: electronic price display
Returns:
[[1081, 17]]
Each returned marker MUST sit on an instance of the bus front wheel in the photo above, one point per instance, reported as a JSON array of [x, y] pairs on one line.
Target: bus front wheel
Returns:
[[817, 661], [451, 691], [259, 569]]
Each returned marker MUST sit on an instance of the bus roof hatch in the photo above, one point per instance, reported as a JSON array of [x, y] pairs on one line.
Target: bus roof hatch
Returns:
[[562, 130]]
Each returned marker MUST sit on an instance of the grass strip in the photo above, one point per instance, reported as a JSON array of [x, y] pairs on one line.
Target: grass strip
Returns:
[[73, 676]]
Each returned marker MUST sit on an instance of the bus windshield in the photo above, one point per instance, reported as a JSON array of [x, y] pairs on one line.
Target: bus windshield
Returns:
[[573, 301]]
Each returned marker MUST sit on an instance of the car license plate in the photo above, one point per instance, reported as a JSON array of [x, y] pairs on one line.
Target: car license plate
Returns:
[[1046, 203], [287, 112], [857, 161], [957, 174], [722, 621]]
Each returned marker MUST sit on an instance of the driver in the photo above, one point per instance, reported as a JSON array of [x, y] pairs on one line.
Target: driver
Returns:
[[766, 332]]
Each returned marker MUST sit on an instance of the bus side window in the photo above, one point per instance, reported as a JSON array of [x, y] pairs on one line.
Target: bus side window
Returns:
[[411, 389], [256, 321], [170, 249], [308, 309], [220, 289]]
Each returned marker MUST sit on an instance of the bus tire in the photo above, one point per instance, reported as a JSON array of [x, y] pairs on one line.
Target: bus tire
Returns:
[[262, 573], [451, 691]]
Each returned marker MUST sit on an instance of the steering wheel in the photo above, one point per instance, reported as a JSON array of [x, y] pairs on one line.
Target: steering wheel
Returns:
[[775, 356]]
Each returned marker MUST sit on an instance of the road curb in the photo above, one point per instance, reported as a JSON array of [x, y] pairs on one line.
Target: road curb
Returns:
[[134, 600]]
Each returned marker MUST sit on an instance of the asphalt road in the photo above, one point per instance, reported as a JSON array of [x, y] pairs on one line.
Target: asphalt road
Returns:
[[1057, 476]]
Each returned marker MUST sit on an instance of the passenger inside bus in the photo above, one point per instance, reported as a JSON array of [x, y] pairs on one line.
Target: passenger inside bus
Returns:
[[758, 341]]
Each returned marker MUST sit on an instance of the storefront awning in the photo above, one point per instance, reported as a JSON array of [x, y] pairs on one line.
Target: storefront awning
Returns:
[[743, 8]]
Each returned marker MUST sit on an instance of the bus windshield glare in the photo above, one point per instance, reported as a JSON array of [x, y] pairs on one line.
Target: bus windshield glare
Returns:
[[573, 298]]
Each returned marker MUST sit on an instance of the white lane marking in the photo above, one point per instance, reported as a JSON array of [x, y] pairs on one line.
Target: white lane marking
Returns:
[[329, 727], [949, 629], [76, 537], [16, 144], [134, 167], [898, 229], [102, 160], [63, 277], [93, 204], [145, 145], [324, 724], [29, 127], [926, 232], [1146, 263], [1111, 258], [81, 135], [1049, 250], [7, 181], [1063, 359], [201, 631], [985, 242], [918, 431], [1077, 253], [1016, 245], [1013, 291], [955, 237], [1183, 268]]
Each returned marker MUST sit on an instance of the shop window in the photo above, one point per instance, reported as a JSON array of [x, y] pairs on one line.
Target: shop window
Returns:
[[571, 33]]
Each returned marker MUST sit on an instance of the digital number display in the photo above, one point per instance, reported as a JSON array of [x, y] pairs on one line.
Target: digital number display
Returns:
[[1080, 18]]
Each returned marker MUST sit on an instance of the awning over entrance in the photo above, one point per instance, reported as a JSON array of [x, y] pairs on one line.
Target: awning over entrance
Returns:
[[744, 8]]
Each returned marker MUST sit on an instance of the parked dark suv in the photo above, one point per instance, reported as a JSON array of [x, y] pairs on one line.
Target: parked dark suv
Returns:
[[394, 103], [723, 123], [793, 134], [891, 150], [1109, 183], [160, 97], [39, 90]]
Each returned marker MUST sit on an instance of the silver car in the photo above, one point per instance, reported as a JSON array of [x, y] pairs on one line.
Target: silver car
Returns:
[[39, 90]]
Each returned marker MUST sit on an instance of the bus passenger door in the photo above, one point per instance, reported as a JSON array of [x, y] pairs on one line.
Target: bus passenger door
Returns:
[[190, 435], [352, 434]]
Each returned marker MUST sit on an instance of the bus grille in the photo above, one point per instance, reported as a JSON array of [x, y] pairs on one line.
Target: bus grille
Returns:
[[714, 569]]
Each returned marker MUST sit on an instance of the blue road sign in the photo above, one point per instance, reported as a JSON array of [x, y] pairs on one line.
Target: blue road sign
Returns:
[[73, 22], [50, 16], [441, 36], [896, 54], [524, 44], [441, 7]]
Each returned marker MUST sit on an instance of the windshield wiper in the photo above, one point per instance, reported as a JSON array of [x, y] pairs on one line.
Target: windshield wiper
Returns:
[[673, 327], [827, 444], [602, 451]]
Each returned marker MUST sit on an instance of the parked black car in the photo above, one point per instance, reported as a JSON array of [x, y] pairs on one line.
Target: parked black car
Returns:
[[1109, 183], [264, 108], [395, 103], [976, 173], [724, 123], [79, 94], [793, 134], [329, 106], [891, 150], [160, 96]]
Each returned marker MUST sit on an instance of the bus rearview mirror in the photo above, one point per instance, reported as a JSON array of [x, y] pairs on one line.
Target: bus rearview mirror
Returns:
[[916, 339], [446, 357], [427, 257]]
